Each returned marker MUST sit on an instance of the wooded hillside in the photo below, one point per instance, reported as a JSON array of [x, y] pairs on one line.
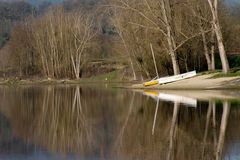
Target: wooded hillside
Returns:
[[61, 40]]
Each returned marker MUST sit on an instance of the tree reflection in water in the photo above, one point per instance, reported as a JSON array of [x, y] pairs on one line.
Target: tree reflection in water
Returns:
[[223, 126], [218, 145], [119, 124]]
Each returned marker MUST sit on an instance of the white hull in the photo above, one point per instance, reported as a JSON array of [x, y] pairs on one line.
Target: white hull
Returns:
[[176, 77], [170, 79]]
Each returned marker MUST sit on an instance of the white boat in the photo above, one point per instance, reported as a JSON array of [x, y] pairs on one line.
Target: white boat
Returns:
[[170, 79]]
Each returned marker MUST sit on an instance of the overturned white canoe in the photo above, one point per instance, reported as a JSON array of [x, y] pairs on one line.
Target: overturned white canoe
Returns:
[[170, 79]]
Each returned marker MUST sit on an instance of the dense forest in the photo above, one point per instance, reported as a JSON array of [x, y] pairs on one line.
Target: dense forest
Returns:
[[142, 38]]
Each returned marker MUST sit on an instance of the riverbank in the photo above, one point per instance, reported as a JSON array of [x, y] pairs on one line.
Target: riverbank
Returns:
[[13, 81], [115, 77], [202, 81], [199, 82]]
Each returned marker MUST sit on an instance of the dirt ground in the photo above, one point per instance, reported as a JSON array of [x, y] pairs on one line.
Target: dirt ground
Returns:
[[197, 82]]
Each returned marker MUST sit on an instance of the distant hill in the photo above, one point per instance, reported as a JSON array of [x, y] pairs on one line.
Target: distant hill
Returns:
[[33, 2], [37, 2], [232, 2], [10, 13]]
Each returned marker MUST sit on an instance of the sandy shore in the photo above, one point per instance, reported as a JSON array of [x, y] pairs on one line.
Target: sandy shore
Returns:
[[199, 82]]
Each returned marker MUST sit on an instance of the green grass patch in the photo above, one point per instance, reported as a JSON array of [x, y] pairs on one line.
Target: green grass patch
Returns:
[[210, 72], [234, 72], [111, 76]]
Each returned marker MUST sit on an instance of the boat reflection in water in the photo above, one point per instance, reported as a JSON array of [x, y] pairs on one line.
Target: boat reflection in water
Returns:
[[189, 101], [95, 122], [171, 98]]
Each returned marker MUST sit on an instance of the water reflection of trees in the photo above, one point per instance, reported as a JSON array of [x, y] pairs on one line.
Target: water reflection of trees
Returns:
[[62, 123], [182, 135], [55, 118], [67, 119], [119, 124]]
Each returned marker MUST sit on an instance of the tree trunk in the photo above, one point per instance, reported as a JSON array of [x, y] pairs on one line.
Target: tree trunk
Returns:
[[206, 53], [223, 56], [213, 49], [130, 58], [212, 58], [20, 70], [154, 60], [176, 69], [214, 6], [185, 59], [186, 65], [170, 40], [133, 70], [205, 47], [74, 68]]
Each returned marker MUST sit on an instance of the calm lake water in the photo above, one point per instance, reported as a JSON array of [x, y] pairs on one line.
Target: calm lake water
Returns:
[[98, 122]]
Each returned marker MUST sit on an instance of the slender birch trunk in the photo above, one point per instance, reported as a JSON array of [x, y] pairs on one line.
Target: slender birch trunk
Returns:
[[212, 52], [214, 9], [154, 60], [206, 53], [170, 40], [130, 58]]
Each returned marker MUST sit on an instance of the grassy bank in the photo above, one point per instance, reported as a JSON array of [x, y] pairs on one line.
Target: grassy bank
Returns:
[[203, 80], [115, 76], [234, 72]]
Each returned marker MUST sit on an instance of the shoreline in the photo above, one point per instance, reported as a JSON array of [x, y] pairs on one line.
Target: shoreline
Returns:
[[199, 82], [202, 95], [13, 81]]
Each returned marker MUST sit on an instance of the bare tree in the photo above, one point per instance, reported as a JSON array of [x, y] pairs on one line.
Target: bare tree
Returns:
[[119, 29], [205, 46], [61, 39], [22, 49], [214, 9], [83, 33], [167, 18]]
